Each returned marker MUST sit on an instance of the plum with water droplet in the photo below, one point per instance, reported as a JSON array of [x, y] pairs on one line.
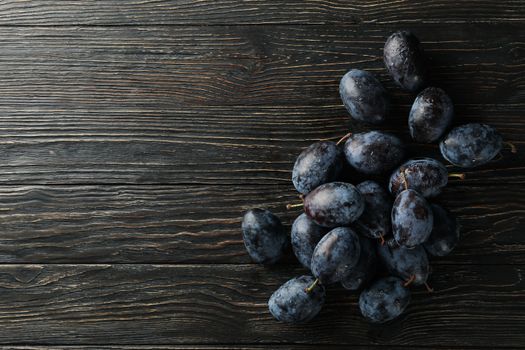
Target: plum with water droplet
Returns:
[[430, 115], [364, 96], [374, 152], [318, 164], [405, 60], [334, 204]]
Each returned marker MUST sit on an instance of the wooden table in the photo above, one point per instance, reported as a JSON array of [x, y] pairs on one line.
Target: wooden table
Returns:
[[134, 133]]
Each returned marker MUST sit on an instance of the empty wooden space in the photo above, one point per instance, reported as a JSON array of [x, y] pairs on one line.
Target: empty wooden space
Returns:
[[133, 135]]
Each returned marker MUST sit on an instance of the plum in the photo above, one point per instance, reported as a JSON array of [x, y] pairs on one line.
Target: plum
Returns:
[[318, 164], [264, 236], [405, 60], [374, 152], [292, 303], [471, 145], [364, 97]]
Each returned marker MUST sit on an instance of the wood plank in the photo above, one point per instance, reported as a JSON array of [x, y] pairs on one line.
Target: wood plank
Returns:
[[133, 304], [220, 145], [275, 65], [213, 12], [222, 105], [229, 347], [197, 224]]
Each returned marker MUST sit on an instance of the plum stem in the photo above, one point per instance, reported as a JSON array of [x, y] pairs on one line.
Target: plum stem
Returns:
[[344, 138], [312, 286], [290, 206], [301, 197], [382, 239], [410, 280], [460, 176], [429, 288], [513, 148]]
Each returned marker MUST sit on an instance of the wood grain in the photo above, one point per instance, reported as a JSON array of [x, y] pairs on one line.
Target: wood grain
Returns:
[[274, 65], [196, 224], [133, 304], [227, 347], [213, 12], [222, 145], [223, 105], [135, 132]]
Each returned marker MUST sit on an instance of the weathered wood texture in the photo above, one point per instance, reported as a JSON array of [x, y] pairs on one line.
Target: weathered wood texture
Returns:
[[167, 67], [134, 304], [211, 347], [195, 224], [224, 105], [229, 347], [209, 12], [137, 132]]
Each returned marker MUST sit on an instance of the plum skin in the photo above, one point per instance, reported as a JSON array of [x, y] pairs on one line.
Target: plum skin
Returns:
[[424, 175], [319, 163], [374, 152], [471, 145], [445, 232], [406, 263], [412, 219], [334, 204], [430, 115], [305, 236], [364, 96], [365, 269], [264, 236], [375, 220], [384, 300], [405, 60], [338, 251], [291, 303]]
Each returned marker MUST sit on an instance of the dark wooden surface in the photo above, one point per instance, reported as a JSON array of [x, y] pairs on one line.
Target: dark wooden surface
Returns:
[[133, 134]]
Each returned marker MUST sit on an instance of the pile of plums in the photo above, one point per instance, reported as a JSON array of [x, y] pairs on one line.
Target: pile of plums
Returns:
[[371, 238]]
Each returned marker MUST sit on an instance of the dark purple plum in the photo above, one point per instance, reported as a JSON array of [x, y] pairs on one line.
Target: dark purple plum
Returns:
[[364, 97], [471, 145], [412, 219], [424, 175], [384, 300], [334, 204], [445, 232], [264, 236], [365, 270], [375, 220], [430, 115], [291, 303], [374, 152], [335, 253], [318, 164], [408, 264], [405, 60], [305, 236]]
